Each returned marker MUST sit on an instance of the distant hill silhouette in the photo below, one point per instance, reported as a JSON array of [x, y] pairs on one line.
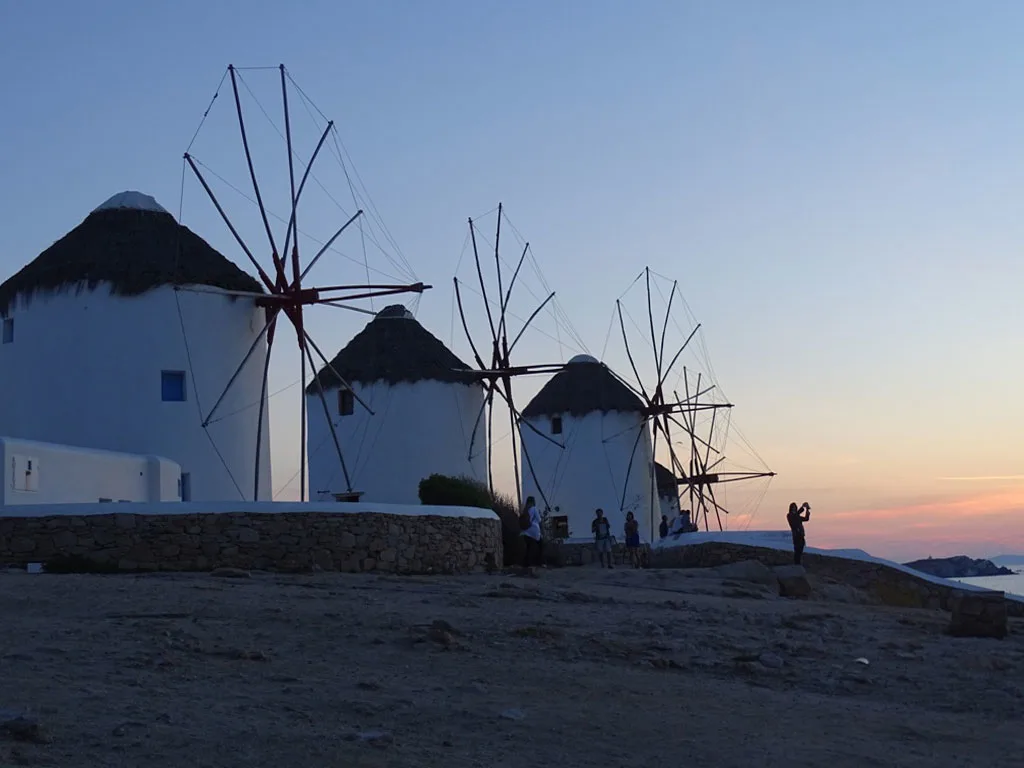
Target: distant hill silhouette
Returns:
[[958, 567]]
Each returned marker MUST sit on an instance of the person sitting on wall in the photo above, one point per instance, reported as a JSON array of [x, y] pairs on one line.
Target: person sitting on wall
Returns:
[[796, 517], [632, 531], [663, 528], [529, 523], [602, 531], [682, 523]]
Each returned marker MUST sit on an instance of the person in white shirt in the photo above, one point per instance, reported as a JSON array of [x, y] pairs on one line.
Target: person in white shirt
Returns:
[[530, 531], [682, 523]]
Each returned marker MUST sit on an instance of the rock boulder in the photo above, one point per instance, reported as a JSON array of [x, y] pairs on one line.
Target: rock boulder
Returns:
[[792, 581], [978, 614]]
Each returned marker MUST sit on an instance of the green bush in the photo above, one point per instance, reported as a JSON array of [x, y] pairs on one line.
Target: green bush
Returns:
[[446, 491]]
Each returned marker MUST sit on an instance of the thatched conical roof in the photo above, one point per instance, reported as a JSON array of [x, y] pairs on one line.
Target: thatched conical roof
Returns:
[[583, 386], [134, 245], [393, 348]]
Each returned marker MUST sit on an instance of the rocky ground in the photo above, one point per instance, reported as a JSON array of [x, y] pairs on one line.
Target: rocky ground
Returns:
[[576, 667]]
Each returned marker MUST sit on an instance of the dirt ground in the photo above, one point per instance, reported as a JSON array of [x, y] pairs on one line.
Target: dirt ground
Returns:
[[576, 667]]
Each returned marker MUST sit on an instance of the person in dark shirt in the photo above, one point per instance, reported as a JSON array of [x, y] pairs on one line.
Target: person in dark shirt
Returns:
[[663, 528], [796, 517], [632, 531]]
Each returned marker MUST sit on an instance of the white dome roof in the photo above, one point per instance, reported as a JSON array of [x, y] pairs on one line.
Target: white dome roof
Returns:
[[583, 359], [132, 199]]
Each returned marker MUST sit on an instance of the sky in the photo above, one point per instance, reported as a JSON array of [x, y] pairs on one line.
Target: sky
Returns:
[[836, 188]]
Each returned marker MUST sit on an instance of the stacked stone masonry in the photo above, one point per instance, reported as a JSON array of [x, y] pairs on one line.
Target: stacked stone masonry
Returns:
[[292, 541], [890, 586]]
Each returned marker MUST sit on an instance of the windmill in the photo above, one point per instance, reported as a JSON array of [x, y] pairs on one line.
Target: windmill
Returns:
[[700, 413], [493, 357], [284, 273]]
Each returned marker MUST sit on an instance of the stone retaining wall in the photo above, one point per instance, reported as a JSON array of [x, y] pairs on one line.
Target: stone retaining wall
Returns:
[[287, 541], [578, 553], [890, 586]]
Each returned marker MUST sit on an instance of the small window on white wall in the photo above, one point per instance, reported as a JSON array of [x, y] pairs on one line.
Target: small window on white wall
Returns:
[[556, 425], [8, 330], [346, 402], [172, 386]]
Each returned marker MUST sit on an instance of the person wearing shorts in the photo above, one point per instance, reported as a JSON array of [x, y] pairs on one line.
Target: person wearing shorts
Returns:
[[602, 530]]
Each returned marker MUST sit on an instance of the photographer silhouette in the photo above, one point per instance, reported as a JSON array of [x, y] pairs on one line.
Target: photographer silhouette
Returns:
[[796, 517]]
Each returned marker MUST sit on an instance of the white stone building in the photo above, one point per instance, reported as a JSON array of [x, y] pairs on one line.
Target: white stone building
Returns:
[[668, 493], [601, 425], [99, 350], [425, 403], [44, 473]]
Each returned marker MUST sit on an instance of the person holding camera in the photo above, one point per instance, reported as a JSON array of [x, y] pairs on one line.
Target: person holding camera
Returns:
[[796, 517]]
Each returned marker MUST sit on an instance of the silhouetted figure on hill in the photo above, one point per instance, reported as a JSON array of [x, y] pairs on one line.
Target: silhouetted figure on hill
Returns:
[[796, 517]]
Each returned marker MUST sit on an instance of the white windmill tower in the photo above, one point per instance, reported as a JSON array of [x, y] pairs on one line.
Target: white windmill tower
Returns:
[[422, 395], [102, 301], [285, 293], [600, 424], [667, 485]]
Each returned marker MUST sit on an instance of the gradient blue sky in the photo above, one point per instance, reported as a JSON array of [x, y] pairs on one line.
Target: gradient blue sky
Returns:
[[837, 186]]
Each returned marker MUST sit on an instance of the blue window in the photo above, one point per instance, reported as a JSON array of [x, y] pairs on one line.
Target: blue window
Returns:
[[172, 386], [8, 332]]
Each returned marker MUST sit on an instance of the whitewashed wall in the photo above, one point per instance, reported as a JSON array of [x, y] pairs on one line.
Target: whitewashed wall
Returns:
[[669, 507], [590, 472], [416, 430], [84, 369], [44, 473]]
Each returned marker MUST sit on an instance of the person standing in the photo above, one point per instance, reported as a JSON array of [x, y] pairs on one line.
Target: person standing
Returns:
[[663, 528], [632, 531], [529, 524], [602, 530], [796, 517]]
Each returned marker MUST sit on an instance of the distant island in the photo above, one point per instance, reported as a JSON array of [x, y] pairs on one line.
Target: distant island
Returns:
[[958, 567]]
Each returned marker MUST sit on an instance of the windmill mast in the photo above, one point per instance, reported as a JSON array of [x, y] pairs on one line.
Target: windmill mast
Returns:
[[497, 374], [698, 476], [286, 293]]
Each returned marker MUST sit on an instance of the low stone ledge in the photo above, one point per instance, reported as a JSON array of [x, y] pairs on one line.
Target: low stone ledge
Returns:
[[978, 614], [298, 541], [888, 585]]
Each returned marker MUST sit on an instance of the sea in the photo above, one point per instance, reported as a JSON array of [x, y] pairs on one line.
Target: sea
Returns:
[[1010, 584]]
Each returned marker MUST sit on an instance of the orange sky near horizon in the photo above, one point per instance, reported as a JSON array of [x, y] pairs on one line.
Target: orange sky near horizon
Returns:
[[985, 522]]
